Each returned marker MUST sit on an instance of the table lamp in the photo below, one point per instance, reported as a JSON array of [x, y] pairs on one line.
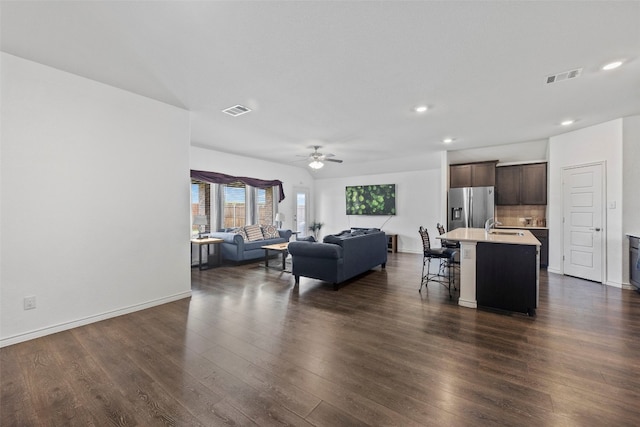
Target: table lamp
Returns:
[[200, 220], [279, 219]]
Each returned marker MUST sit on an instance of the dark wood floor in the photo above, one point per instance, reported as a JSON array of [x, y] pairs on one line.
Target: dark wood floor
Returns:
[[250, 349]]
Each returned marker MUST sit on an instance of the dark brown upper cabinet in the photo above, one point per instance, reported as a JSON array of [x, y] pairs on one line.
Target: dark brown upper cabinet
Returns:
[[480, 174], [508, 185], [521, 184], [534, 184]]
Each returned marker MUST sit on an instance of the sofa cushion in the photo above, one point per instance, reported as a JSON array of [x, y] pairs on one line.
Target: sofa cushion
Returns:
[[336, 239], [270, 232], [258, 244], [240, 231], [254, 232], [332, 238], [315, 250]]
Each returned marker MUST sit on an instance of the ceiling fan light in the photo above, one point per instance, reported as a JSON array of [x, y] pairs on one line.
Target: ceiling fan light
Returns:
[[316, 164]]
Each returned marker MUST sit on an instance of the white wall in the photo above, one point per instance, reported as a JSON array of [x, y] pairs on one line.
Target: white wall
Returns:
[[418, 202], [598, 143], [231, 164], [630, 181], [507, 153], [95, 201]]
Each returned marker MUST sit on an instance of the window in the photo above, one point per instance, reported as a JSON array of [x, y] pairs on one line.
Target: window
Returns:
[[234, 205], [235, 209]]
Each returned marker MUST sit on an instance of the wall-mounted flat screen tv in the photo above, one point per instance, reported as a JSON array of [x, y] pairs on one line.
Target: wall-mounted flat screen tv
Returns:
[[371, 199]]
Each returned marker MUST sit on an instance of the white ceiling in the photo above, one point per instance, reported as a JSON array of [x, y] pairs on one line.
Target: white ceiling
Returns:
[[346, 75]]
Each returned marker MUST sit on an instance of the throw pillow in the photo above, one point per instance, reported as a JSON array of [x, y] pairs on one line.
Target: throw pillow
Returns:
[[241, 232], [254, 232], [332, 238], [270, 232]]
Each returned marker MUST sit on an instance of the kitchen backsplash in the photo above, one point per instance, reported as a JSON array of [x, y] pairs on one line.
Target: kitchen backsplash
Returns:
[[522, 215]]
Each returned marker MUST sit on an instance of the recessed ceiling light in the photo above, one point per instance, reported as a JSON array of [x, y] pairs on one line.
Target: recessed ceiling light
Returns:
[[447, 140], [612, 65], [567, 122], [421, 109]]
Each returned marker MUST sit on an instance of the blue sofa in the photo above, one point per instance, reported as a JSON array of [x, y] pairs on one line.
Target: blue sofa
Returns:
[[235, 248], [340, 256]]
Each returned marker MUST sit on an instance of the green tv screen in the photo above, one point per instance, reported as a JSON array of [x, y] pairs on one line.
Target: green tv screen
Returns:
[[371, 199]]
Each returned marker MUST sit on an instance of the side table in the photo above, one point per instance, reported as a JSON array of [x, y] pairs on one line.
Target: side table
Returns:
[[207, 241], [392, 243]]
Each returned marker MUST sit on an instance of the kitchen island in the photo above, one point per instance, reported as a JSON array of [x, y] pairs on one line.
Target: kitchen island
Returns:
[[498, 269]]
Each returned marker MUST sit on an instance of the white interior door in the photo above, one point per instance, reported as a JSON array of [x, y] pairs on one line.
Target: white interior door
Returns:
[[583, 222], [301, 214]]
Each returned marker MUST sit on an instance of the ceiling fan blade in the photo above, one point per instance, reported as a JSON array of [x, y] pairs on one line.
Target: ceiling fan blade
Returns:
[[317, 156]]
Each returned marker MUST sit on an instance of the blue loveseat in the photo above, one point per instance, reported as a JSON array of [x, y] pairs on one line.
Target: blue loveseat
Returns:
[[236, 248], [340, 256]]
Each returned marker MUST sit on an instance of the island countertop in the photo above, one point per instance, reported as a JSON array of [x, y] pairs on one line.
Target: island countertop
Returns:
[[479, 235]]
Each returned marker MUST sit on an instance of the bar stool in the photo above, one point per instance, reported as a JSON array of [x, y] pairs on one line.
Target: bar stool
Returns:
[[449, 245], [446, 243], [446, 257]]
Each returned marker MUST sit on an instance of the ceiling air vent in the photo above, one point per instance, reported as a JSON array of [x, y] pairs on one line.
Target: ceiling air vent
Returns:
[[566, 75], [236, 110]]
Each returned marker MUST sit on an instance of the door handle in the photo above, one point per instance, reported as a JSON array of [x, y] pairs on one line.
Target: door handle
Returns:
[[596, 229]]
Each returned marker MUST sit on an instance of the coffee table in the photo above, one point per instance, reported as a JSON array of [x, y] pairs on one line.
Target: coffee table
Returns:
[[278, 247]]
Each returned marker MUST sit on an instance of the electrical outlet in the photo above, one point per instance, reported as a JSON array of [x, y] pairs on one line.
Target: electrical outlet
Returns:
[[29, 303]]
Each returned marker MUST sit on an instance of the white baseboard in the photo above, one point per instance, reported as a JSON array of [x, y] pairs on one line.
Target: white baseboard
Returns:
[[553, 270], [48, 330], [467, 303]]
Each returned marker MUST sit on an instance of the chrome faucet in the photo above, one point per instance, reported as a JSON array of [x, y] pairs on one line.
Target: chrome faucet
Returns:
[[490, 223]]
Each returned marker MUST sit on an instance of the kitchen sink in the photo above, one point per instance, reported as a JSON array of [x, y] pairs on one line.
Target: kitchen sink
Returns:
[[507, 232]]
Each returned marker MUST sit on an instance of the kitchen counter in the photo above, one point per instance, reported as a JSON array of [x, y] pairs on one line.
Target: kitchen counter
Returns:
[[633, 235], [479, 235], [499, 271]]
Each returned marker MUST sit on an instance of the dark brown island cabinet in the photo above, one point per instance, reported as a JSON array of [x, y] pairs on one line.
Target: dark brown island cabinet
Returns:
[[521, 184], [481, 174], [506, 277]]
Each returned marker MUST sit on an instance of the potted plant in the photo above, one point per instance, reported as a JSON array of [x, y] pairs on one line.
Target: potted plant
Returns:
[[315, 228]]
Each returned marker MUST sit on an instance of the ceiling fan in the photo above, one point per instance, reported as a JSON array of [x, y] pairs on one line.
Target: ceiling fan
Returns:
[[317, 159]]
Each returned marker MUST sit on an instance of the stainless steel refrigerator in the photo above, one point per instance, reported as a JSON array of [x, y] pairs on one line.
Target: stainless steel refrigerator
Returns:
[[470, 206]]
